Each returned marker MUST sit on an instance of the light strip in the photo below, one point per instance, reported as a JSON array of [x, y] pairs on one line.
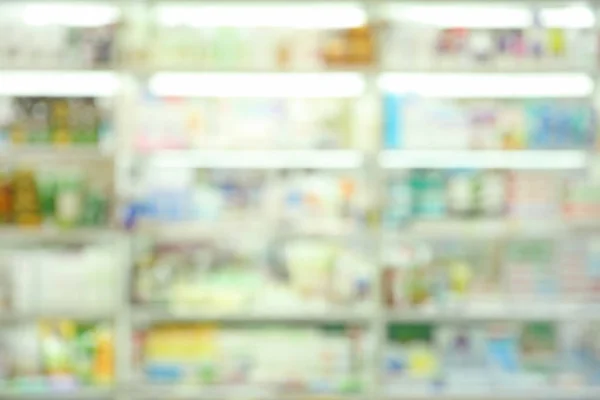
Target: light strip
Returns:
[[83, 15], [56, 84], [568, 17], [284, 159], [488, 85], [257, 85], [496, 159], [469, 16], [261, 15], [448, 16]]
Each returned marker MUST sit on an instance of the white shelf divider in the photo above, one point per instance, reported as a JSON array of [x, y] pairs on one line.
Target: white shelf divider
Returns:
[[484, 159], [259, 159]]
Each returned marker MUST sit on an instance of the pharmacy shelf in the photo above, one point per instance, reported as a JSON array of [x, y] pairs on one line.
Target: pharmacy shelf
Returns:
[[507, 310], [10, 234], [259, 159], [54, 153], [487, 228], [149, 391], [11, 317], [83, 394], [198, 70], [444, 80], [196, 230], [547, 394], [486, 68], [149, 315], [252, 224], [484, 159]]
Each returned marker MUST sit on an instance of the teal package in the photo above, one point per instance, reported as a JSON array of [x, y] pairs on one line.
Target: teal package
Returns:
[[503, 354], [392, 120]]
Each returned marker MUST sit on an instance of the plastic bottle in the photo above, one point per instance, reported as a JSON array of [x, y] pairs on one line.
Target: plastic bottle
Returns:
[[69, 199]]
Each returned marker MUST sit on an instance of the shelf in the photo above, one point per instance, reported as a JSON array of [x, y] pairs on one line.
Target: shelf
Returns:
[[498, 312], [149, 315], [439, 68], [44, 153], [484, 159], [58, 83], [249, 71], [487, 228], [548, 394], [13, 234], [11, 317], [149, 391], [83, 394], [258, 159], [256, 224]]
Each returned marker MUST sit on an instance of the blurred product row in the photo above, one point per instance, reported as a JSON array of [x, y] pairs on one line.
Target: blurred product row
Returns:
[[62, 356], [176, 287], [292, 201], [237, 123], [205, 38], [306, 274], [408, 123], [59, 197], [480, 194]]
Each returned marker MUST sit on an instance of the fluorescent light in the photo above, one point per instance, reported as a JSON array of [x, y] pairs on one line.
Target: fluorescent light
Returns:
[[488, 85], [84, 15], [568, 17], [497, 159], [476, 16], [448, 16], [284, 159], [257, 85], [261, 15], [47, 83]]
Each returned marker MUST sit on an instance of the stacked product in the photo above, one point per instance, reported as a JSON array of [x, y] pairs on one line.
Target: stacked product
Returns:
[[462, 48], [483, 194], [56, 356], [520, 274], [57, 197], [290, 275], [295, 200], [490, 357], [583, 199], [327, 359], [47, 280], [432, 276], [321, 199], [244, 124], [57, 121], [186, 195], [530, 271], [261, 47], [578, 271], [424, 123], [55, 46]]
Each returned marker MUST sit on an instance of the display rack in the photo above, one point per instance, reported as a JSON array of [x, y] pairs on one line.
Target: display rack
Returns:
[[128, 77]]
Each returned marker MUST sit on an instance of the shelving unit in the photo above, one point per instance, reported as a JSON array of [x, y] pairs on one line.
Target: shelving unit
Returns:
[[130, 77]]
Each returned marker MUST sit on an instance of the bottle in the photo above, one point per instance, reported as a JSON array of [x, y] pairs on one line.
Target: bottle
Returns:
[[5, 198], [69, 199], [46, 187], [25, 205], [94, 212]]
